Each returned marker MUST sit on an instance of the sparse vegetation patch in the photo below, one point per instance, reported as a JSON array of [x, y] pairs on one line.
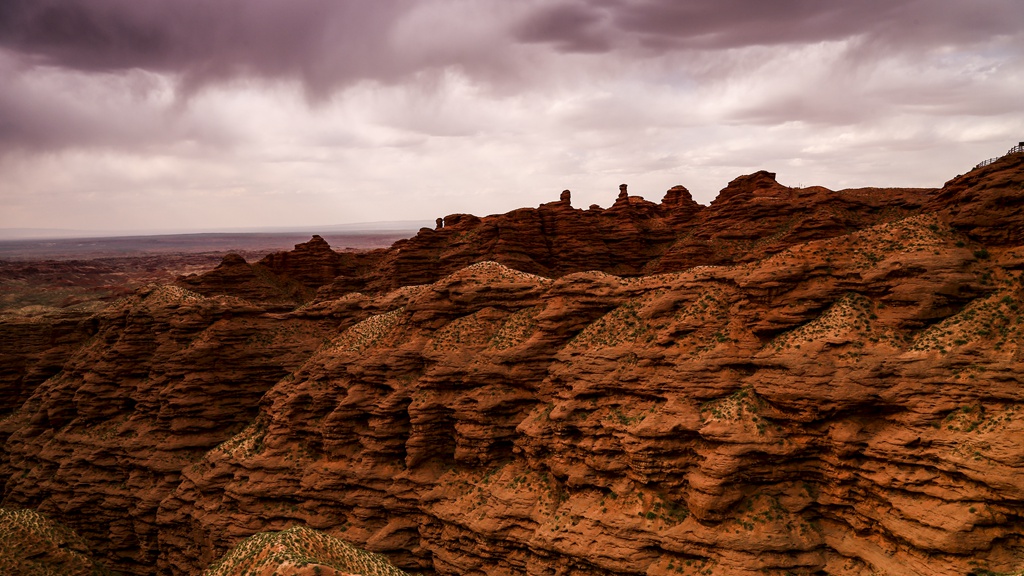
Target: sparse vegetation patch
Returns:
[[33, 545], [299, 547], [367, 333]]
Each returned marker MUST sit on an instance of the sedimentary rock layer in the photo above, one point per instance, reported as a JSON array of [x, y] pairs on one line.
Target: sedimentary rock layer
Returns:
[[167, 375], [826, 392], [753, 217]]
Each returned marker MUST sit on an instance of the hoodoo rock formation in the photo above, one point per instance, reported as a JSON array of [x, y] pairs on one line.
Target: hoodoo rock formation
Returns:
[[787, 381]]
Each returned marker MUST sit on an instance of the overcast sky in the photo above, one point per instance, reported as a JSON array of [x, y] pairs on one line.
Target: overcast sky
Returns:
[[213, 114]]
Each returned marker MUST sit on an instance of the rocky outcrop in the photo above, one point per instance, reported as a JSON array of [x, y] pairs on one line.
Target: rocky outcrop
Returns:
[[753, 217], [815, 382], [284, 279], [312, 263], [252, 282], [987, 203]]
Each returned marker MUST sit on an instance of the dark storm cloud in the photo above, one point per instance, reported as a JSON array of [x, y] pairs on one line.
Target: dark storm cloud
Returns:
[[321, 42], [330, 43], [571, 27], [51, 111], [722, 24]]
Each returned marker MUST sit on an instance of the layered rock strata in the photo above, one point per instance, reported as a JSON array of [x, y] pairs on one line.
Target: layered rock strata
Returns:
[[850, 406], [801, 394], [167, 375], [35, 343], [753, 217]]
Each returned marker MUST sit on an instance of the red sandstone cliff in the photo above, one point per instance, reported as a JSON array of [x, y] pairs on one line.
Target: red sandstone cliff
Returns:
[[841, 393], [753, 217], [167, 375]]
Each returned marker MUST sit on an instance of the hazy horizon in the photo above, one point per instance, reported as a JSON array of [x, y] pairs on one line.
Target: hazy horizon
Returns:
[[14, 234]]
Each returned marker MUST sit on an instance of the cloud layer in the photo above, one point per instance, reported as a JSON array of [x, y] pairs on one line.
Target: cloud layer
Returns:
[[116, 113]]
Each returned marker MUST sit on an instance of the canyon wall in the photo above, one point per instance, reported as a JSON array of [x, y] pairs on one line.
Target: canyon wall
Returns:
[[787, 381]]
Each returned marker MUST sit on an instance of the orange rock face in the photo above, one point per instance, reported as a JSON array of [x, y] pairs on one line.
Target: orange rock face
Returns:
[[815, 382]]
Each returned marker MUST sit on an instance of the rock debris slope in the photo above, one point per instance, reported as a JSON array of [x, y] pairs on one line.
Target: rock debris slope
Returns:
[[789, 381]]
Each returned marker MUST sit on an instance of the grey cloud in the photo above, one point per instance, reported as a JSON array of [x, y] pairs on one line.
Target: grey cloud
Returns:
[[654, 27], [723, 24], [328, 44], [321, 42], [571, 27], [811, 109], [55, 111]]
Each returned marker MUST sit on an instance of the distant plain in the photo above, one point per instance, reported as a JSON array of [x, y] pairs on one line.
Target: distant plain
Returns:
[[248, 244], [63, 272]]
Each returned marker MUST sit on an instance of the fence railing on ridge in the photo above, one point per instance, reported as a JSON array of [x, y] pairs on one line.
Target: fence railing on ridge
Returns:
[[1014, 150]]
